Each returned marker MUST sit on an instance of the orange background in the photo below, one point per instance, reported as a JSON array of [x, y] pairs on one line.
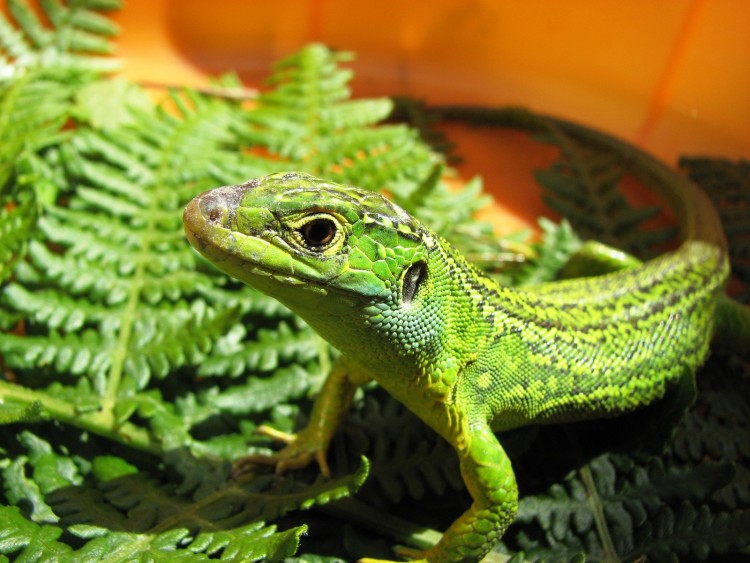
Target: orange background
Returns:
[[673, 76]]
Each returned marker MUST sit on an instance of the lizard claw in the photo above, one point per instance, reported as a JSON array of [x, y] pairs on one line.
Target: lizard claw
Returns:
[[276, 435], [299, 451]]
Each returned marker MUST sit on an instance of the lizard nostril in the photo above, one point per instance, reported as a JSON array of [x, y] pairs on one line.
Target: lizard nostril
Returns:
[[218, 205], [214, 214], [212, 206]]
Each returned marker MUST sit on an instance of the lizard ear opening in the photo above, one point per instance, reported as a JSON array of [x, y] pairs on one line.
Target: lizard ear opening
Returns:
[[412, 279]]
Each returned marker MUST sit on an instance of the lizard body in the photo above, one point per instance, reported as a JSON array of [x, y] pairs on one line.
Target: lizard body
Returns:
[[467, 355]]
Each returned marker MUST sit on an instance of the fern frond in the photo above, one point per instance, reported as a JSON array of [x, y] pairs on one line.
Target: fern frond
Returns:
[[32, 113], [558, 243], [625, 510], [583, 186], [40, 70], [74, 353], [130, 515], [692, 532], [716, 429], [24, 413], [307, 122], [286, 384], [409, 461], [727, 183], [226, 519], [23, 490], [31, 541], [236, 353], [77, 37], [58, 312], [136, 282], [16, 224], [252, 542], [449, 211], [33, 110]]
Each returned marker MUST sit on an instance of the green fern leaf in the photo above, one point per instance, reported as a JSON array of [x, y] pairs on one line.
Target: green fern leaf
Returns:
[[237, 353], [136, 287], [109, 104], [687, 531], [16, 225], [221, 520], [32, 542], [11, 412], [41, 68], [23, 490], [558, 243], [252, 542], [285, 385], [130, 515], [76, 39], [307, 122]]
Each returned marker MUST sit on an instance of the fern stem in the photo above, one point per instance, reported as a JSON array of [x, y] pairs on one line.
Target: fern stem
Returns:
[[609, 553], [121, 350], [96, 422], [237, 93]]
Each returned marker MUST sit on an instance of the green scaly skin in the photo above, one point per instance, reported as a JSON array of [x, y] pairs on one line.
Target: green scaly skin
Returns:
[[468, 356]]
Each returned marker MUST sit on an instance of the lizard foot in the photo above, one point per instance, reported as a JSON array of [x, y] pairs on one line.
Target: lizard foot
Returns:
[[299, 451]]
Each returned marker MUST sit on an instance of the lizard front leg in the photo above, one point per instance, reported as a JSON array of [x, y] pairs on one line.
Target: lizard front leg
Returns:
[[329, 409], [489, 477]]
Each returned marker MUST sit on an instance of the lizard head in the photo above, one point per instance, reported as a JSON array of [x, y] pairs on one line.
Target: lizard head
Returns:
[[303, 240]]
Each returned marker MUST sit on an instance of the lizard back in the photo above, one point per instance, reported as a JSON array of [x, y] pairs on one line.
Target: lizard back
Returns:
[[599, 345]]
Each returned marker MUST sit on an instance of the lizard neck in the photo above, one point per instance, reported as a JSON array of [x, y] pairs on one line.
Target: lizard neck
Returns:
[[417, 351]]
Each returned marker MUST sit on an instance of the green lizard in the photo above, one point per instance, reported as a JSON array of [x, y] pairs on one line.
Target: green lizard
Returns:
[[467, 355]]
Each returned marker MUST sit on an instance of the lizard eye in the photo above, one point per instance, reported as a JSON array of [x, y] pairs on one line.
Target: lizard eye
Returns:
[[318, 232]]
